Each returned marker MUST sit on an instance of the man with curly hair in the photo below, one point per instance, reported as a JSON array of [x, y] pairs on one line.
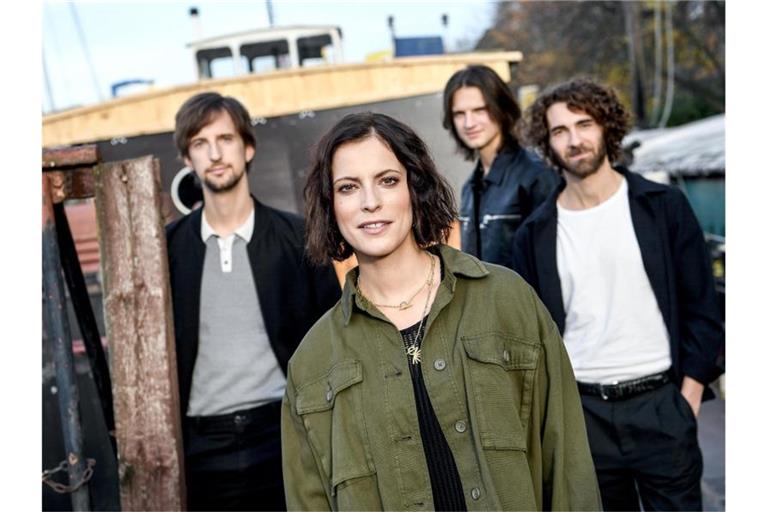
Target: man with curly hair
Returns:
[[622, 266], [508, 182]]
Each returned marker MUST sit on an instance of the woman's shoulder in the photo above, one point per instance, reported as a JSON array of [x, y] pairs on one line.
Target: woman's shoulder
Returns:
[[503, 281], [481, 276]]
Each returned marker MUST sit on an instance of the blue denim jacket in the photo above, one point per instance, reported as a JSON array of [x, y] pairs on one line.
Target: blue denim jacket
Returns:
[[517, 183]]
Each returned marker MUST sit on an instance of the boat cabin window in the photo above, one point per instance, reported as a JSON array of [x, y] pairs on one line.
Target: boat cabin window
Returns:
[[267, 50], [315, 50], [266, 55], [217, 63]]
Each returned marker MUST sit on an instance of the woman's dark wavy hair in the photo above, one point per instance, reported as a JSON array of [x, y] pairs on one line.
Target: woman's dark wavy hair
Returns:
[[501, 104], [586, 95], [432, 201]]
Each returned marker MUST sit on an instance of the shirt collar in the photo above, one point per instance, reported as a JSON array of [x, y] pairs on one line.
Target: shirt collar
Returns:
[[244, 231]]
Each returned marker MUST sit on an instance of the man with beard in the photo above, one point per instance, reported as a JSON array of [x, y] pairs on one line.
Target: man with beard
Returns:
[[244, 295], [508, 182], [622, 266]]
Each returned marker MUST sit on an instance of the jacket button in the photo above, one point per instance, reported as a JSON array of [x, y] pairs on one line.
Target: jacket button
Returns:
[[439, 364], [475, 493], [460, 426], [505, 355], [329, 396]]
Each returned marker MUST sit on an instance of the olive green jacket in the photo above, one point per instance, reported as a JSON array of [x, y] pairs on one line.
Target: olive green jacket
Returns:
[[500, 383]]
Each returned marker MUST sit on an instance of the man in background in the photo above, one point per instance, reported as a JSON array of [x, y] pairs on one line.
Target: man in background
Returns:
[[507, 182], [244, 295], [622, 265]]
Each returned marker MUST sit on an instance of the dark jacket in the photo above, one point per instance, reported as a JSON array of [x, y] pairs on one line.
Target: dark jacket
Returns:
[[292, 293], [499, 381], [675, 258], [516, 184]]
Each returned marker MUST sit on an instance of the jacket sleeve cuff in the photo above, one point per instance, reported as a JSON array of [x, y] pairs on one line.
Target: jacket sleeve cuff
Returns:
[[700, 369]]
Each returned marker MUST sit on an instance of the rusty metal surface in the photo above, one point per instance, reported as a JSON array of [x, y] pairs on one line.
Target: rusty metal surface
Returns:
[[86, 320], [58, 329], [75, 183], [70, 156], [139, 326]]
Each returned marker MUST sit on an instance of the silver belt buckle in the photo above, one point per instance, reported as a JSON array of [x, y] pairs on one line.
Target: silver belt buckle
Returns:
[[603, 393]]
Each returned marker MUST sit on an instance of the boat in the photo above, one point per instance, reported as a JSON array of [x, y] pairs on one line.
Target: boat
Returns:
[[306, 89]]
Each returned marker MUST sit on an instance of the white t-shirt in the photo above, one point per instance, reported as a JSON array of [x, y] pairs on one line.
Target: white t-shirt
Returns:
[[614, 330]]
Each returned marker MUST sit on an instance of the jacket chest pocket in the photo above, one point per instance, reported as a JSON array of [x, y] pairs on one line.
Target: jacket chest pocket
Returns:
[[332, 413], [501, 372]]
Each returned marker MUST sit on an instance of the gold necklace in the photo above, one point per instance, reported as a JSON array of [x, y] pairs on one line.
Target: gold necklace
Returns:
[[414, 349], [406, 303]]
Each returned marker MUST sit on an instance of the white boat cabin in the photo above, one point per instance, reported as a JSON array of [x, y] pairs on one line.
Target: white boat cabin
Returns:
[[267, 49]]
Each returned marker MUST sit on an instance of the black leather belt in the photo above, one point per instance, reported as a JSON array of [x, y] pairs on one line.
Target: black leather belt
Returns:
[[626, 389], [236, 419]]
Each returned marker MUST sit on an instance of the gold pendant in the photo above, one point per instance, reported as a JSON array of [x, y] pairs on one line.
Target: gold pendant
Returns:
[[415, 353], [404, 305]]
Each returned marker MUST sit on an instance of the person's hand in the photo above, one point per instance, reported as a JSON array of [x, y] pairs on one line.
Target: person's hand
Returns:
[[692, 390]]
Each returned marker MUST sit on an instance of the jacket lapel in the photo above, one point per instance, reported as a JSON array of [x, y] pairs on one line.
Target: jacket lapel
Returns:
[[265, 268], [545, 254], [648, 231], [186, 288]]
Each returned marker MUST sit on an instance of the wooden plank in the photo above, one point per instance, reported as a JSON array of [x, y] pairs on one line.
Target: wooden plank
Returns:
[[277, 93], [68, 156], [139, 326]]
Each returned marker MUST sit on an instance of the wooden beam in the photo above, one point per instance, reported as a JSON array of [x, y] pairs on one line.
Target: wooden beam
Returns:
[[69, 156], [139, 324], [70, 171], [76, 183]]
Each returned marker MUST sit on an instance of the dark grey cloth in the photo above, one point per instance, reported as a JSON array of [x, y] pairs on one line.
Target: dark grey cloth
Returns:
[[645, 449], [233, 461], [235, 367], [493, 206]]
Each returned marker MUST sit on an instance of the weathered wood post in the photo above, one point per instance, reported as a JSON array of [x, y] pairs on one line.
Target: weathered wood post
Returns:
[[139, 324]]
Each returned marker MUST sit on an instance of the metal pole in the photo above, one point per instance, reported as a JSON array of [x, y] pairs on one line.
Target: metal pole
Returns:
[[270, 14], [78, 293], [57, 327]]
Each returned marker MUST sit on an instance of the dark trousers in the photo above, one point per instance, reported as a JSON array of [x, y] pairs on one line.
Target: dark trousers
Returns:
[[233, 461], [645, 449]]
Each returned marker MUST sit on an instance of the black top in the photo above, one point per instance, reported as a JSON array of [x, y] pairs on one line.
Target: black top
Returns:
[[447, 492]]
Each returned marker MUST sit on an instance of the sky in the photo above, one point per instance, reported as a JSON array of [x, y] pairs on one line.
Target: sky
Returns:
[[147, 40]]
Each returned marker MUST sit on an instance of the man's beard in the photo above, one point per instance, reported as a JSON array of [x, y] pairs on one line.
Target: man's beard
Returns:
[[586, 166], [225, 186]]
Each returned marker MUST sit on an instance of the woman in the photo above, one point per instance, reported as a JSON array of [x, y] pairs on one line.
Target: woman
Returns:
[[438, 382]]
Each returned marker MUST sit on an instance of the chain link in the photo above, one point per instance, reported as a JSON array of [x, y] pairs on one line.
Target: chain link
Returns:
[[64, 489]]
